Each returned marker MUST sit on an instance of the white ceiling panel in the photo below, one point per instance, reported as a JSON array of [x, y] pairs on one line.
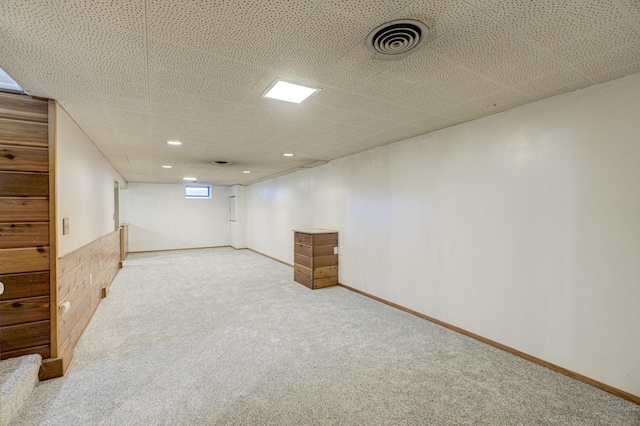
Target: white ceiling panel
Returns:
[[136, 73]]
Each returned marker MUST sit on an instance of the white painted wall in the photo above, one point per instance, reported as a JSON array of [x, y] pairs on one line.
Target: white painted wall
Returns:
[[238, 229], [522, 227], [85, 183], [161, 218]]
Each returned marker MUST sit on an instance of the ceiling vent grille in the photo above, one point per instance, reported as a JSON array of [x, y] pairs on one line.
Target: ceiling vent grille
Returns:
[[396, 39]]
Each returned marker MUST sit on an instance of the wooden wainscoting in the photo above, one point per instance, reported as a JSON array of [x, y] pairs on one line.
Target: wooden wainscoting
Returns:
[[84, 277], [25, 254]]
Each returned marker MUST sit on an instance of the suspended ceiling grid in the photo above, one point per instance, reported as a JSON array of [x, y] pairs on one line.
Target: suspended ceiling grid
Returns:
[[134, 73]]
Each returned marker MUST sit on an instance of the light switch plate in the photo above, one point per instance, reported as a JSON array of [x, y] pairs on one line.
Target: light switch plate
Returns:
[[65, 226], [335, 250]]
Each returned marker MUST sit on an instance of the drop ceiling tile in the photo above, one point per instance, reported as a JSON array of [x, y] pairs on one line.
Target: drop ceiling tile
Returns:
[[440, 16], [362, 11], [181, 26], [125, 103], [616, 73], [204, 106], [248, 45], [607, 62], [408, 95], [502, 100], [280, 18], [169, 110], [94, 114], [170, 97], [175, 80], [230, 71], [298, 61], [119, 88], [186, 59], [485, 47], [126, 15], [126, 119], [19, 73], [428, 69], [219, 90], [330, 32], [584, 28], [551, 84], [109, 43], [42, 22], [115, 68], [218, 8], [168, 124], [133, 136]]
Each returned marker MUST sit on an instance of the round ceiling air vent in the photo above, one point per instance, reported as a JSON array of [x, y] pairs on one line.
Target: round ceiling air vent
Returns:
[[396, 39]]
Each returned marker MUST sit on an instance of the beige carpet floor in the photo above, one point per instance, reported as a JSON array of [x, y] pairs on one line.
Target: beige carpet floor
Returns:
[[226, 337]]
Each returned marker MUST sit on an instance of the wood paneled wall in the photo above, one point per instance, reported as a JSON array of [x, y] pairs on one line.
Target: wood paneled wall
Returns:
[[25, 232], [84, 277]]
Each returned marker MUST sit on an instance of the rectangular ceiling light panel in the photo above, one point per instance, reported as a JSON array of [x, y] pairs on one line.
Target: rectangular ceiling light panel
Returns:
[[289, 92]]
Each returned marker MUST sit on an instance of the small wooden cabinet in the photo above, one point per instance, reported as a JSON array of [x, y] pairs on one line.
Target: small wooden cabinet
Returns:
[[315, 257]]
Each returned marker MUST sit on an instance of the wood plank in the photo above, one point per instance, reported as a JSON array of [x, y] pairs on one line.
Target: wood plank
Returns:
[[320, 239], [300, 238], [24, 184], [320, 261], [302, 280], [299, 269], [24, 210], [302, 260], [23, 107], [13, 261], [24, 133], [21, 159], [68, 262], [53, 222], [326, 271], [324, 282], [84, 276], [302, 249], [44, 351], [17, 286], [123, 242], [21, 235], [24, 336], [20, 311], [323, 250]]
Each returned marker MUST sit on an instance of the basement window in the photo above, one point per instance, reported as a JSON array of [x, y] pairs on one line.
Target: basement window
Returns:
[[7, 83], [197, 191]]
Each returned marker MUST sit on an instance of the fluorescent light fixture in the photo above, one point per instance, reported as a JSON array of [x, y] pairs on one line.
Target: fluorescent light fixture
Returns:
[[7, 83], [289, 92], [165, 166], [246, 171], [174, 142], [190, 179], [287, 154]]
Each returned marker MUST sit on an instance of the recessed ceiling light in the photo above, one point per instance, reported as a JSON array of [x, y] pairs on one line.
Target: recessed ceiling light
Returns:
[[288, 154], [190, 179], [174, 142], [165, 166], [289, 92], [246, 171]]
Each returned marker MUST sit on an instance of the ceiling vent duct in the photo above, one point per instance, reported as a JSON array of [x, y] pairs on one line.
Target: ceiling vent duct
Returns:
[[396, 39]]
